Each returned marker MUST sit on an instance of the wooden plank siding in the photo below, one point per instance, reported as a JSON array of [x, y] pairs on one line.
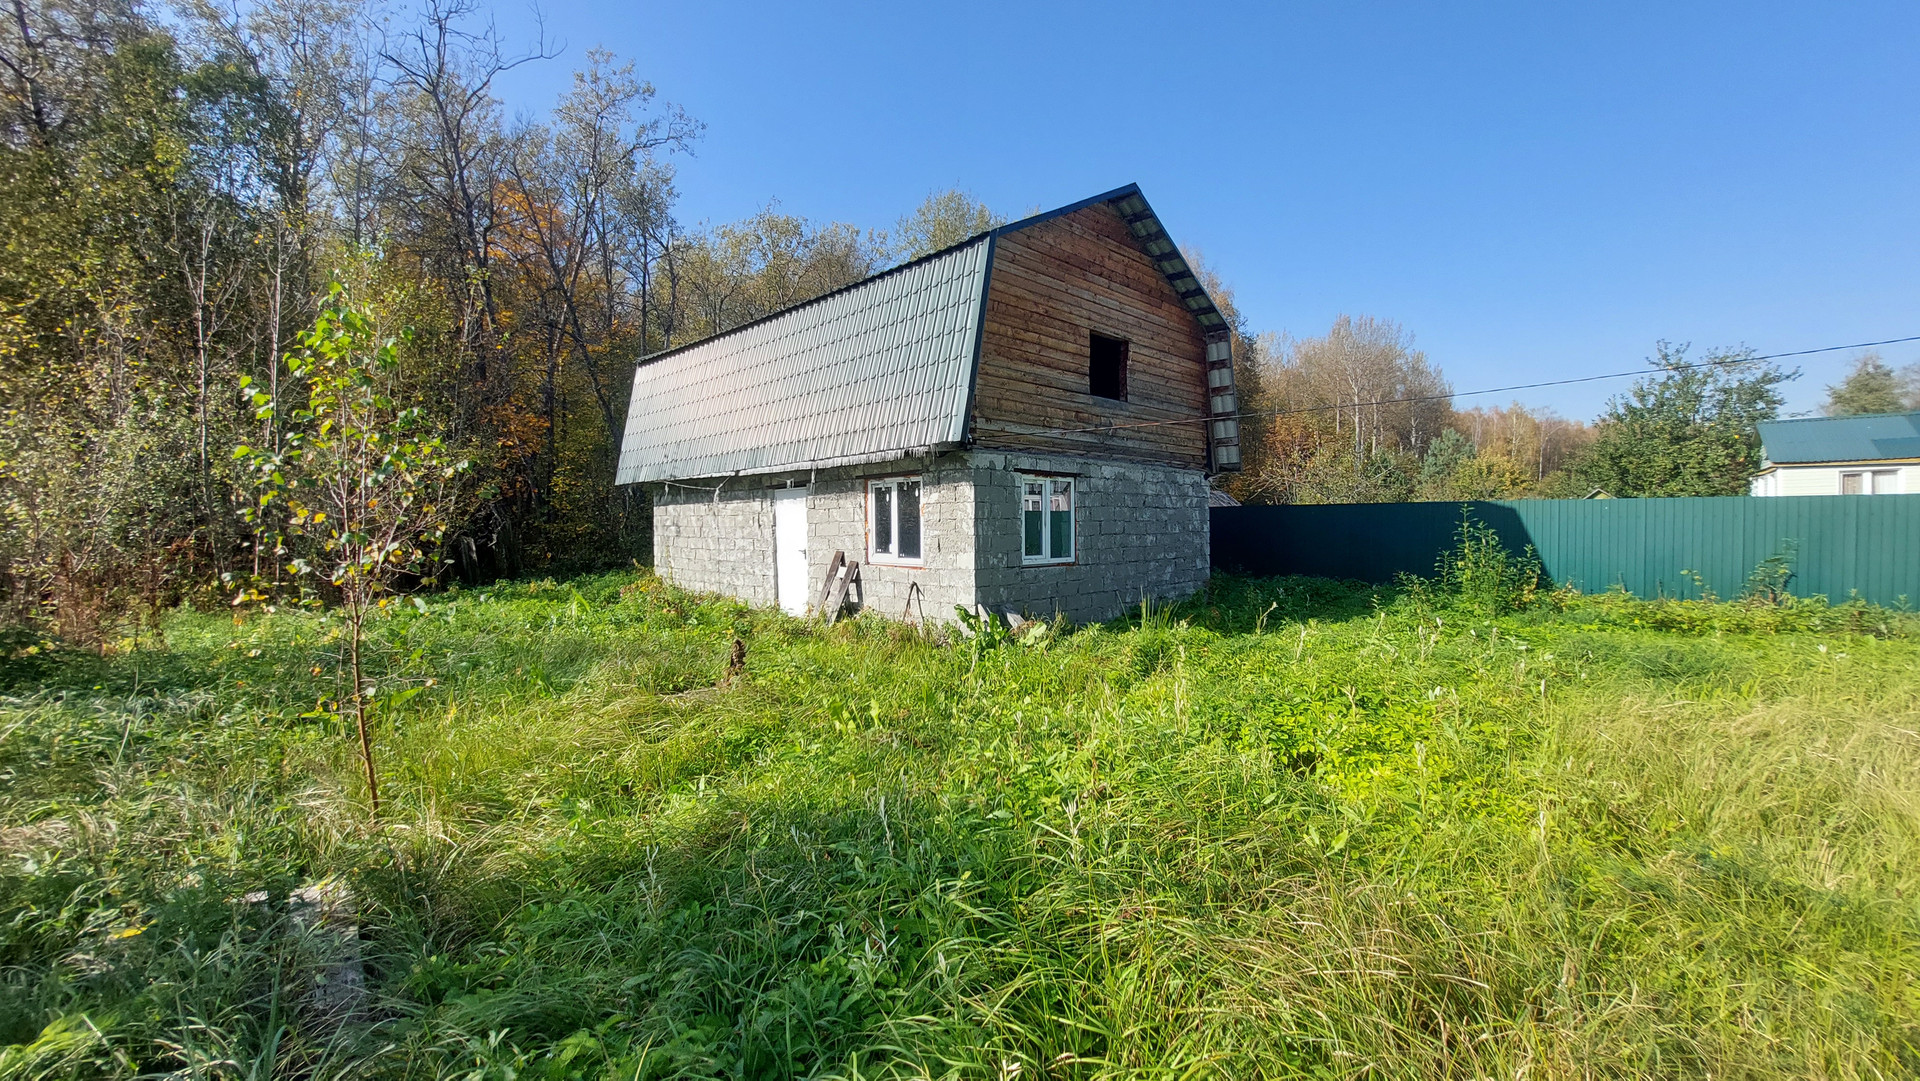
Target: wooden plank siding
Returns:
[[1053, 284]]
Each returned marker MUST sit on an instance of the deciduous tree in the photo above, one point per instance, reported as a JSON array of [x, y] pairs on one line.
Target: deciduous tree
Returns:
[[1688, 429], [1359, 400], [362, 478], [946, 218]]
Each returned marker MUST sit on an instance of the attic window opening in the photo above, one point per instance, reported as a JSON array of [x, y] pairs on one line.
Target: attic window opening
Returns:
[[1107, 367]]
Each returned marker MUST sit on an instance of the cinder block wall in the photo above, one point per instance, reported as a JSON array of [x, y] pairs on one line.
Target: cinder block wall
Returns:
[[727, 545], [1142, 532], [716, 545], [837, 521]]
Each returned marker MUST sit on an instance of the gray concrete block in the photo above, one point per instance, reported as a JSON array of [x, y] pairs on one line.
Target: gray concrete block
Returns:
[[1139, 529]]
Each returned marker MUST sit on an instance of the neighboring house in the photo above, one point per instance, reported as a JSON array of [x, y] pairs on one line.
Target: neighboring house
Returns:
[[1871, 455], [1024, 421]]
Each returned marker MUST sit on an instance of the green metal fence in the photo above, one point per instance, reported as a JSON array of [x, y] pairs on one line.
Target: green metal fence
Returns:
[[1837, 545]]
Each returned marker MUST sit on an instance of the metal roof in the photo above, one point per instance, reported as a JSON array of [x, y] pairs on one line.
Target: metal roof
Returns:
[[1875, 438], [874, 371], [864, 373]]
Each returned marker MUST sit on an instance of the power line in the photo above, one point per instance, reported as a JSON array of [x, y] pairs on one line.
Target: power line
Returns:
[[1475, 393]]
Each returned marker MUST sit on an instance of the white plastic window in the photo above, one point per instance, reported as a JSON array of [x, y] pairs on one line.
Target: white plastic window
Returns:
[[1874, 482], [1046, 519], [893, 520]]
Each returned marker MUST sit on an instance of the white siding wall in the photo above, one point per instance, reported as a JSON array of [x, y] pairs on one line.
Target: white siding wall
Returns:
[[1825, 479]]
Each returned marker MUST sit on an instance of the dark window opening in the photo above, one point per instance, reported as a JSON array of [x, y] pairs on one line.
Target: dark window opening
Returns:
[[1107, 367], [883, 519]]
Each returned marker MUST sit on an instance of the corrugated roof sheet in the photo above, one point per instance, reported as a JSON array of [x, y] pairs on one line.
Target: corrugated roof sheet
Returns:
[[873, 371], [1841, 439]]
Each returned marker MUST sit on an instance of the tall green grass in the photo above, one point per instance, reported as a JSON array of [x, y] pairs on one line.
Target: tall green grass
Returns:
[[1290, 828]]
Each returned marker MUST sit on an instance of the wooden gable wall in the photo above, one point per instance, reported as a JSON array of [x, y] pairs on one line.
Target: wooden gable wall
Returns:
[[1052, 285]]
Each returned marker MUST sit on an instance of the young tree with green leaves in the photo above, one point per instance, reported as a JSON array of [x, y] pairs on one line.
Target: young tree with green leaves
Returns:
[[1689, 429], [360, 478]]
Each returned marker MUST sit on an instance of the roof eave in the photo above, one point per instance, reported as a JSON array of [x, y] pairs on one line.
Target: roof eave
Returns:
[[1813, 463], [844, 461]]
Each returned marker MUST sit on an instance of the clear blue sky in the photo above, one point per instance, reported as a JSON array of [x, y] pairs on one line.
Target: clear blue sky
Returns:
[[1533, 192]]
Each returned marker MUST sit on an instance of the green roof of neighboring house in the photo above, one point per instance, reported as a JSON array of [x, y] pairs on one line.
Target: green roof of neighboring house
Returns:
[[1876, 438]]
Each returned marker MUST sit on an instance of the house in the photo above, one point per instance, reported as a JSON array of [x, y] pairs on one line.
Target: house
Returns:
[[1867, 455], [1023, 422]]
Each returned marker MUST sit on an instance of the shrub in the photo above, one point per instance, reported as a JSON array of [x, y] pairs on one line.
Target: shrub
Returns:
[[1479, 572]]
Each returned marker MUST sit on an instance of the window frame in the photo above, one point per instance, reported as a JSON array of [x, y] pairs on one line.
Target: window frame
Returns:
[[1048, 480], [1870, 481], [893, 558]]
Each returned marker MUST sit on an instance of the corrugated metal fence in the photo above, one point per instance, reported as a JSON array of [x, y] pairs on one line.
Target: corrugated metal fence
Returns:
[[1837, 544]]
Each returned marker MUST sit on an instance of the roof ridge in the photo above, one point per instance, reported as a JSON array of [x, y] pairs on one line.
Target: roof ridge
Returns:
[[1849, 416], [1032, 220]]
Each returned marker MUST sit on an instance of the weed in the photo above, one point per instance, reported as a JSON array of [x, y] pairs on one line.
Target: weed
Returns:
[[1289, 828], [1479, 574]]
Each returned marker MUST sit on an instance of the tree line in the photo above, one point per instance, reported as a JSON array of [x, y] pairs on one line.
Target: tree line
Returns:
[[181, 188], [1359, 415]]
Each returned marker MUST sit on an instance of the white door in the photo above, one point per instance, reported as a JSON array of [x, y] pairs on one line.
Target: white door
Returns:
[[790, 549]]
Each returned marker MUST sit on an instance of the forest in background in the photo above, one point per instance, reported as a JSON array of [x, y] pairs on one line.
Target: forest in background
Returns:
[[181, 184]]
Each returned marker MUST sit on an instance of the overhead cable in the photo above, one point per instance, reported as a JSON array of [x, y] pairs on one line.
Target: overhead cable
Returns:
[[1725, 363]]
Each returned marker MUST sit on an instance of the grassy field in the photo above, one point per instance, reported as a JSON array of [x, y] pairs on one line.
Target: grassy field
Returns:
[[1290, 828]]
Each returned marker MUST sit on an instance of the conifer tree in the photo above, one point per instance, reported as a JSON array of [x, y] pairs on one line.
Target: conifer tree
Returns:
[[1871, 387]]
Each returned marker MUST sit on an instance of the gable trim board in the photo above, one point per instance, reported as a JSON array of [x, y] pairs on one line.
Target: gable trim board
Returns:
[[979, 336], [885, 368]]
